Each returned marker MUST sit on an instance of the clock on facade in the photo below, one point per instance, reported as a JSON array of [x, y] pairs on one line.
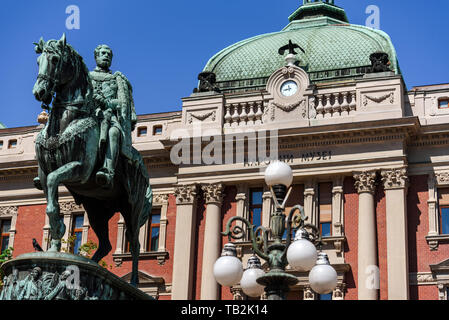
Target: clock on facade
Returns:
[[289, 88]]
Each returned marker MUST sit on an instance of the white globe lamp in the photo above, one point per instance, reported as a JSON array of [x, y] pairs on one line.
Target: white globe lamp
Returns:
[[302, 254], [228, 269], [323, 277], [278, 173], [249, 279]]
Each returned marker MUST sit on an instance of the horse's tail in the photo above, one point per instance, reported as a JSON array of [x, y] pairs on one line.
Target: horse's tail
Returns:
[[146, 208]]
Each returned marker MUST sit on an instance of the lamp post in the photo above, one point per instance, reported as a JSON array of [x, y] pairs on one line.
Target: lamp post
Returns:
[[301, 254]]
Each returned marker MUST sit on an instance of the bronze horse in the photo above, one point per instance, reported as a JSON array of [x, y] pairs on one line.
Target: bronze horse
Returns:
[[68, 153]]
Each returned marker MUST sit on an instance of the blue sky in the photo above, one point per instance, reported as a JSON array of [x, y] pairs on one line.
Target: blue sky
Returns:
[[161, 46]]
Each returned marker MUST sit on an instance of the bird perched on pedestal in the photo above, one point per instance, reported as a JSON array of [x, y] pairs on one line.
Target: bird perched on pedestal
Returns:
[[36, 246]]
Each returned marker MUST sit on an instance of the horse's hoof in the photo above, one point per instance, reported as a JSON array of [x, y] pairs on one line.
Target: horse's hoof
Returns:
[[37, 183]]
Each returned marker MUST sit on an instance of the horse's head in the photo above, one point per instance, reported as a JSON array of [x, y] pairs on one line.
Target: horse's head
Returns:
[[55, 68]]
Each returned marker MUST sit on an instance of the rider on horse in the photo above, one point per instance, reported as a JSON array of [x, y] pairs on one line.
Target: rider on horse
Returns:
[[115, 109]]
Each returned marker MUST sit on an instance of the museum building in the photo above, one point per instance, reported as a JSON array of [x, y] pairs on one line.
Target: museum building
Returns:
[[370, 159]]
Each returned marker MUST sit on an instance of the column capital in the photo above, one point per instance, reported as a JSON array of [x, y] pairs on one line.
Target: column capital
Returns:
[[365, 181], [213, 193], [186, 194], [395, 178]]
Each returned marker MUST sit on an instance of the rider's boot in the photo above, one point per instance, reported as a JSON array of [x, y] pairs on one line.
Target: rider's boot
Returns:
[[37, 183], [105, 178]]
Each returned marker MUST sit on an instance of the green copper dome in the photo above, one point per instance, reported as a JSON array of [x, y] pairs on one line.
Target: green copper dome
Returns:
[[334, 50]]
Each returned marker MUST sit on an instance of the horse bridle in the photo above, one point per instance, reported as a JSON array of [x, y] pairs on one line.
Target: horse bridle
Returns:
[[53, 80]]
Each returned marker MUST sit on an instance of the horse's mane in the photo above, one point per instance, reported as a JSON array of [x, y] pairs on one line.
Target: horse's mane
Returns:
[[77, 60]]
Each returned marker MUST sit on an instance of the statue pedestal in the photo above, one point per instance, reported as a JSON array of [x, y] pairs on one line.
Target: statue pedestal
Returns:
[[63, 276]]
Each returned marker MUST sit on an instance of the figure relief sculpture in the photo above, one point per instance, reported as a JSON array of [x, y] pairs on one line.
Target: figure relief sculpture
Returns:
[[86, 145], [32, 286]]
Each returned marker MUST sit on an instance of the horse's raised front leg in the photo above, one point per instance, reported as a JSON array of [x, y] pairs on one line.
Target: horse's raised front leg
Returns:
[[69, 172]]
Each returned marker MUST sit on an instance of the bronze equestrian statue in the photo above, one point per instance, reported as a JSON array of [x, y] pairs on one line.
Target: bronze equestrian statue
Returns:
[[86, 145]]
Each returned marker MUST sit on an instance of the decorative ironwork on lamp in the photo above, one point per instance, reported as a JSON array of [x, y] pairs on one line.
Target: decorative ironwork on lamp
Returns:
[[301, 254]]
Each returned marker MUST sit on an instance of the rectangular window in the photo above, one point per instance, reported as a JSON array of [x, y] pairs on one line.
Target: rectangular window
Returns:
[[142, 131], [443, 204], [1, 144], [153, 230], [443, 104], [12, 144], [255, 207], [5, 226], [325, 208], [157, 130], [77, 232], [444, 220]]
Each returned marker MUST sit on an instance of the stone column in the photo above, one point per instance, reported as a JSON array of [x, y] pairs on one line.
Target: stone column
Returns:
[[213, 195], [337, 206], [119, 248], [310, 202], [396, 183], [46, 234], [433, 205], [242, 205], [184, 242], [68, 221], [266, 207], [367, 246], [86, 226]]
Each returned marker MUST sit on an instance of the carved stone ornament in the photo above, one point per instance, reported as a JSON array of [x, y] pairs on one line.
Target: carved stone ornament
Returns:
[[442, 178], [69, 207], [308, 294], [365, 181], [395, 178], [202, 117], [379, 99], [288, 70], [160, 198], [291, 107], [8, 211], [213, 193], [185, 194], [237, 293]]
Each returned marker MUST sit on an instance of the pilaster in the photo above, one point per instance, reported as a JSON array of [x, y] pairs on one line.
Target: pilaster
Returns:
[[395, 182]]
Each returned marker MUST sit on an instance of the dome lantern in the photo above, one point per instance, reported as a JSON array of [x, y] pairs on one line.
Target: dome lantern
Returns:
[[319, 8]]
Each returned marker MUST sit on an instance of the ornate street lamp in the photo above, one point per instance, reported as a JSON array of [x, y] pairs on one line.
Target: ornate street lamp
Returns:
[[301, 254]]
